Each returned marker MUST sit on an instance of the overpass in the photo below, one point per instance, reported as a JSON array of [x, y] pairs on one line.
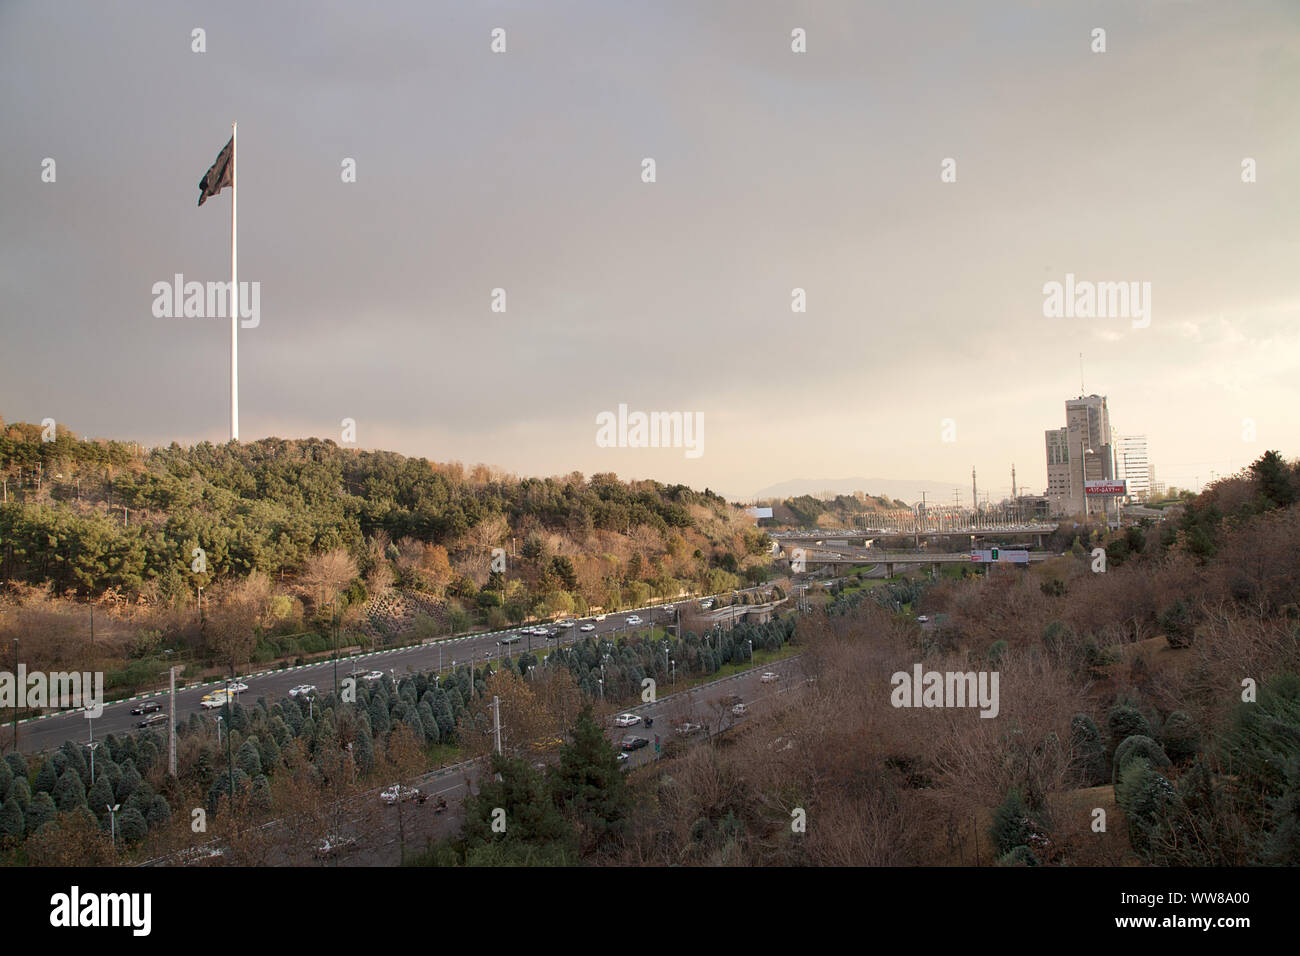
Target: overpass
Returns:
[[927, 526], [892, 559]]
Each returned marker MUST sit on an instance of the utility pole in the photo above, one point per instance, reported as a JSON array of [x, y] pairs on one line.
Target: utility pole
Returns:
[[974, 493], [171, 727]]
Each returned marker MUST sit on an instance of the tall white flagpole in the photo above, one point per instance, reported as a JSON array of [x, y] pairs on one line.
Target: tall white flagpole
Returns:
[[234, 292]]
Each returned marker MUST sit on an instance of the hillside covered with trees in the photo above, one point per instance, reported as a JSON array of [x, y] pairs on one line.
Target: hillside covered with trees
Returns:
[[283, 541]]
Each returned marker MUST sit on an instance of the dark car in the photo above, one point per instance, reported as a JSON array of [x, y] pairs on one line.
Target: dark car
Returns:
[[146, 707], [153, 719], [634, 743]]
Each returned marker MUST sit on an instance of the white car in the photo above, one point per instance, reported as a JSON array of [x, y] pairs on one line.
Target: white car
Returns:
[[569, 623], [706, 604], [634, 620], [398, 793], [213, 701], [626, 720], [922, 620], [372, 675], [738, 710], [769, 677], [587, 627], [688, 728], [302, 689], [238, 687]]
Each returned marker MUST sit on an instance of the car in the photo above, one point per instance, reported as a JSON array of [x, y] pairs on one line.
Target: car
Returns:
[[372, 675], [146, 707], [400, 794], [626, 720], [237, 687], [688, 728], [587, 627], [553, 633], [153, 719], [768, 677], [601, 617], [634, 620], [302, 689], [923, 619], [669, 609], [706, 604], [569, 623], [738, 710], [634, 743], [213, 701], [333, 845], [622, 757], [512, 639]]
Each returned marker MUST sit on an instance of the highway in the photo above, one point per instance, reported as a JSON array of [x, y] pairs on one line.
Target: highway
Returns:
[[376, 839], [48, 733]]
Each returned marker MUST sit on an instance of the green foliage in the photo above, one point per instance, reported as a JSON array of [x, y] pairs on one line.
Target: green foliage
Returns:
[[41, 812], [1138, 746], [12, 824], [1088, 749], [131, 826], [1282, 845], [1264, 735], [530, 816], [1178, 624], [1180, 737], [1018, 856], [69, 793], [1147, 799], [588, 786], [1014, 824], [1124, 721]]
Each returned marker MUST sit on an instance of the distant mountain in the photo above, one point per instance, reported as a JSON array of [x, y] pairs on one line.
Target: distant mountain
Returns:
[[937, 492]]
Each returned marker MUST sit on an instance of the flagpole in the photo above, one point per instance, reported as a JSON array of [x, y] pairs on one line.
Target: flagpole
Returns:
[[234, 293]]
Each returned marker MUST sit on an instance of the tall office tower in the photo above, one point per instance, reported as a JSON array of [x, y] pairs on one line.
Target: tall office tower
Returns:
[[1058, 471], [1133, 465], [1092, 446]]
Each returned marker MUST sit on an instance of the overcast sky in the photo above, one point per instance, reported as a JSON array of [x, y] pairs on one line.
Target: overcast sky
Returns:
[[775, 170]]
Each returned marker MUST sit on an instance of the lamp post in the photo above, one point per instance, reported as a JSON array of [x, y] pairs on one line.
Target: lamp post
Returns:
[[112, 820], [92, 746]]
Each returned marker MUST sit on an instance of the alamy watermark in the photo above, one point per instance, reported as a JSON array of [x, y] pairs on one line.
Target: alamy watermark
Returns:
[[76, 690], [1084, 299], [947, 689], [206, 300], [651, 430]]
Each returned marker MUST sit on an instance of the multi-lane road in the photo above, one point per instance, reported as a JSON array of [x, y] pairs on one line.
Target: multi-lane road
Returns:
[[47, 733]]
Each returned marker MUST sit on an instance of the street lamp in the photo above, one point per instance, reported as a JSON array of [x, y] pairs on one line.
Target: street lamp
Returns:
[[92, 746], [112, 809], [674, 663]]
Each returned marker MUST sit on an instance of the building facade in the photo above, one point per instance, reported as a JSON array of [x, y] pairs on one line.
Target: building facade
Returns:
[[1084, 450], [1134, 467]]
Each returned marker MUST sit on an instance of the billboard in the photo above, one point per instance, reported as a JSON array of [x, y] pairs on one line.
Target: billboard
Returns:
[[1105, 486], [759, 512]]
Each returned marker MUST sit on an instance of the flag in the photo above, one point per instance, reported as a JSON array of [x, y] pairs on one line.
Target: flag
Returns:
[[220, 175]]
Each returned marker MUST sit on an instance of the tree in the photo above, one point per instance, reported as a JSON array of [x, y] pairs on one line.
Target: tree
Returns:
[[1124, 721], [1135, 747], [12, 824], [69, 793], [530, 816], [1276, 482], [589, 787], [131, 825], [41, 811], [1088, 749], [1014, 825]]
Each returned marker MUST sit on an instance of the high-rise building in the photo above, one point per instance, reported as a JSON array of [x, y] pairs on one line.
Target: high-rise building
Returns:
[[1134, 467], [1084, 450], [1058, 470]]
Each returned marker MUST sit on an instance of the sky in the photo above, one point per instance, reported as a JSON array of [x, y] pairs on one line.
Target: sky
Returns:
[[924, 349]]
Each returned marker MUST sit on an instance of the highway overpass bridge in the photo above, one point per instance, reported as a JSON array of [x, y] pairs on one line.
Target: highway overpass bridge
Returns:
[[818, 557]]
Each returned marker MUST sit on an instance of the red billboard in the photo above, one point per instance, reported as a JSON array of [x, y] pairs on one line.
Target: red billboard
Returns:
[[1105, 486]]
